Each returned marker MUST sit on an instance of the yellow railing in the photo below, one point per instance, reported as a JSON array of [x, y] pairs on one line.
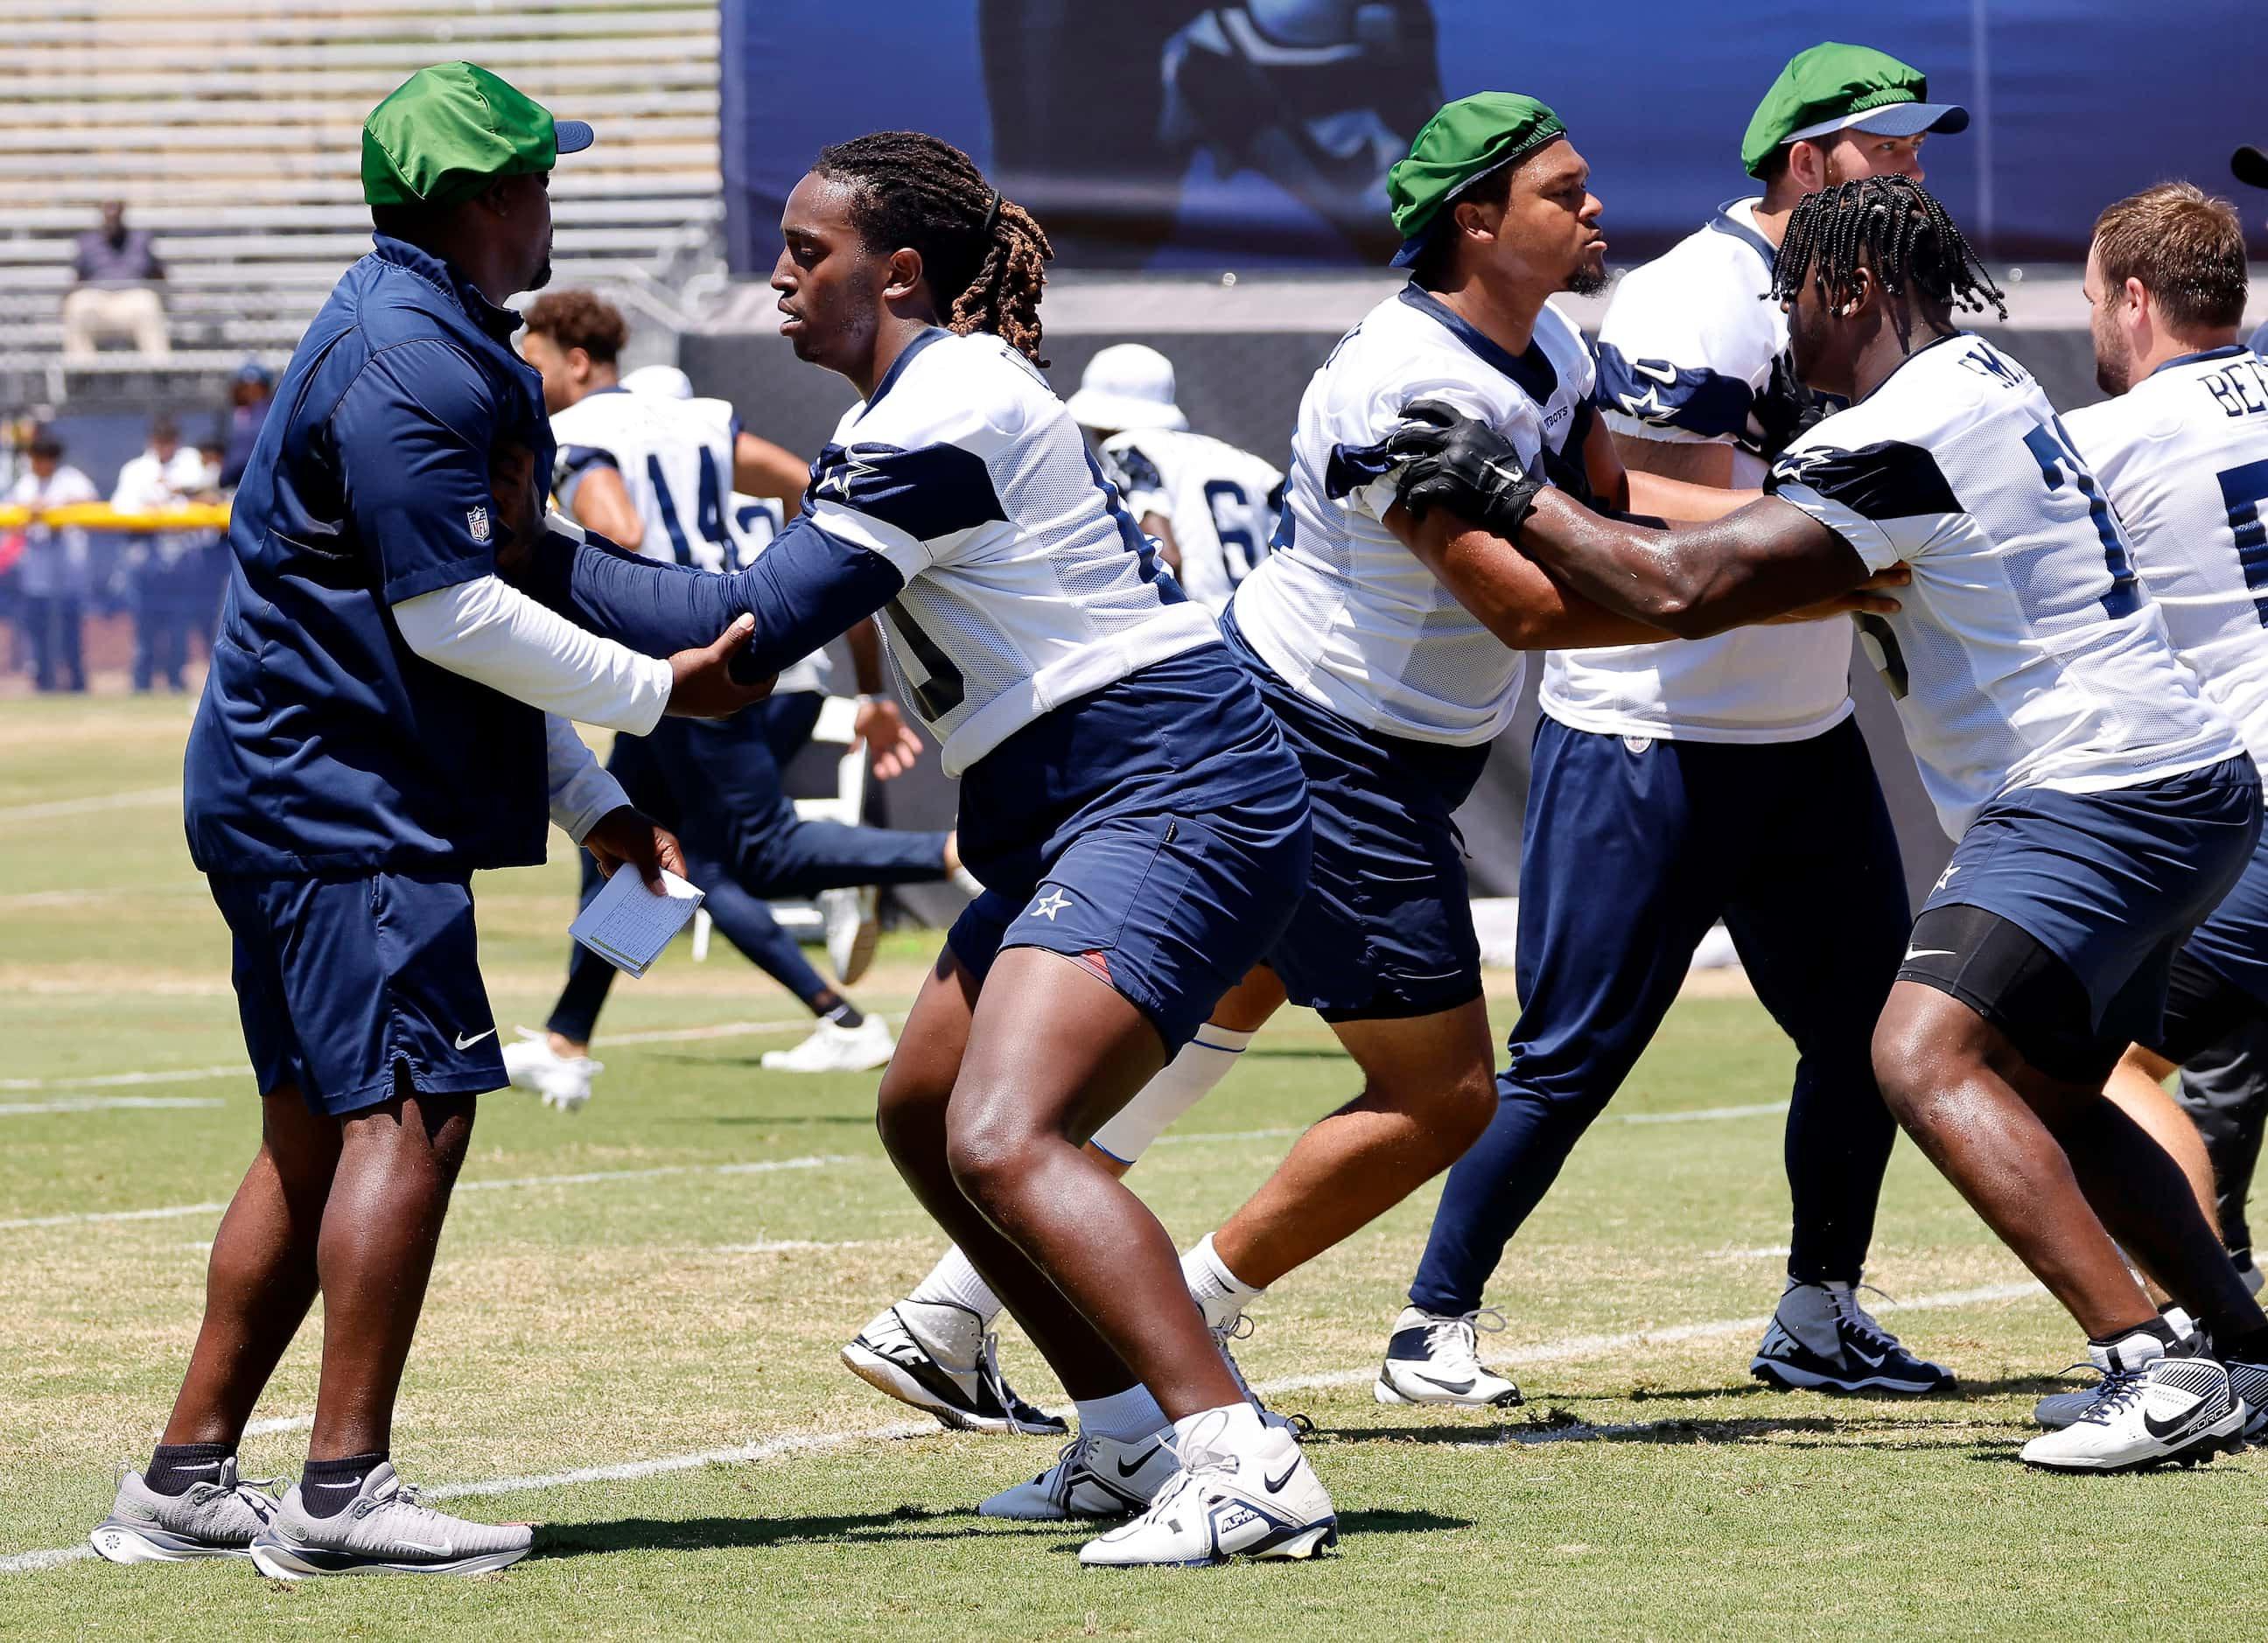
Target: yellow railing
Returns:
[[100, 516]]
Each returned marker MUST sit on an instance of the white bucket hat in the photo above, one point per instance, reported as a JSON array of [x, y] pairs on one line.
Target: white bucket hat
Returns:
[[1127, 386]]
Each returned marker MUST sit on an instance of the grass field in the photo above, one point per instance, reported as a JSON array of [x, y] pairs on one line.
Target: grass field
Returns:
[[632, 1332]]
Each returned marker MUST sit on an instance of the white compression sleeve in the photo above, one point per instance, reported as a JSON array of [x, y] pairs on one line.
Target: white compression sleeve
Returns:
[[582, 790], [498, 636], [1180, 1084]]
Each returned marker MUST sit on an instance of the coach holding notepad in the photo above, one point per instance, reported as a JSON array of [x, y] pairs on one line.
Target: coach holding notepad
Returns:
[[383, 716]]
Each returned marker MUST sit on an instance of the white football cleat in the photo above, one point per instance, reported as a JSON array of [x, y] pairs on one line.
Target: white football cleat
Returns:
[[854, 925], [832, 1049], [913, 1351], [1102, 1477], [1266, 1502], [2058, 1409], [564, 1081], [2153, 1407], [1433, 1359]]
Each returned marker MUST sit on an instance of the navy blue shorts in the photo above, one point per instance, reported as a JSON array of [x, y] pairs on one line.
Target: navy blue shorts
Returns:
[[346, 985], [2233, 941], [1386, 929], [1155, 832], [2111, 883]]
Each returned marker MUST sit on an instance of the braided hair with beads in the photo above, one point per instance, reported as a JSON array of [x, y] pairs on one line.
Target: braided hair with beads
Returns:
[[1898, 230], [983, 256]]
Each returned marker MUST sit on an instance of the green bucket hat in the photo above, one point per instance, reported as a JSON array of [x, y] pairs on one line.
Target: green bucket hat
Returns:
[[1462, 143], [1833, 87], [447, 131]]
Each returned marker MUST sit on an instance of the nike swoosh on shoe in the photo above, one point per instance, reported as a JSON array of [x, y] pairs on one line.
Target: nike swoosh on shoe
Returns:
[[1127, 1469]]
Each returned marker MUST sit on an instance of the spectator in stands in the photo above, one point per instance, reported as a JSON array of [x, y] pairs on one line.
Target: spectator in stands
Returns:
[[116, 294], [52, 575], [164, 573], [248, 398]]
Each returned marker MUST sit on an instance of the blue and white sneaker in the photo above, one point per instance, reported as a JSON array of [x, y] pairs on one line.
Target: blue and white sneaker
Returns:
[[1822, 1340], [1434, 1359], [1266, 1502], [2154, 1407]]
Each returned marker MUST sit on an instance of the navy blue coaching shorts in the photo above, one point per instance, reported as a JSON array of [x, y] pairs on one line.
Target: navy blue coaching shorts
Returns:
[[1386, 928], [346, 985]]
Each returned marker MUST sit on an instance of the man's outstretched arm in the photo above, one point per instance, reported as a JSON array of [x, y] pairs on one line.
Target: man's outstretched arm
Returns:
[[1762, 561], [806, 588]]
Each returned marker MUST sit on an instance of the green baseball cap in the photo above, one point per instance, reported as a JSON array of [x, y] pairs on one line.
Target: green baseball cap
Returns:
[[1462, 143], [445, 131], [1833, 87]]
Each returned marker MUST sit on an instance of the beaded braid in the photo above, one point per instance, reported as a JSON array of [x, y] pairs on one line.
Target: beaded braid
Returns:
[[985, 256], [1898, 230]]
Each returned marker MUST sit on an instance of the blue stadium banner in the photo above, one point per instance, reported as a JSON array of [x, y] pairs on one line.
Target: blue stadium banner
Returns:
[[1175, 134]]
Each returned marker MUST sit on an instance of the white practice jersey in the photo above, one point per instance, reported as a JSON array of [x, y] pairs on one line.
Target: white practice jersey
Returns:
[[1217, 499], [1340, 609], [2026, 653], [675, 457], [1691, 350], [2184, 458], [1027, 584]]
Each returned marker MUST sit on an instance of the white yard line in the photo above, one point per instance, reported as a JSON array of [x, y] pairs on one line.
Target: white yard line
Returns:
[[241, 1070], [104, 1104], [1704, 1115], [135, 800], [757, 1167], [1573, 1347]]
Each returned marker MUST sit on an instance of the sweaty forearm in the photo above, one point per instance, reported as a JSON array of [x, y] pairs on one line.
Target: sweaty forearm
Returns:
[[1697, 580]]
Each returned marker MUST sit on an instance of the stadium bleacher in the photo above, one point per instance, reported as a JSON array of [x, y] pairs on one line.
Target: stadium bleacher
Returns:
[[230, 130]]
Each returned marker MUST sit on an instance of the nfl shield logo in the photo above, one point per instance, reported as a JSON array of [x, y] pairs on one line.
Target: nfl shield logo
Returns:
[[476, 520]]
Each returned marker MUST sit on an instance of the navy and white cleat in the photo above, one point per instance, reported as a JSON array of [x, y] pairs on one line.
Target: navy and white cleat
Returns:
[[1434, 1359]]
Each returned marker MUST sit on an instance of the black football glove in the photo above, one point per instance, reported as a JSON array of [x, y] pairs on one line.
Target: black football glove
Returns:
[[1456, 461]]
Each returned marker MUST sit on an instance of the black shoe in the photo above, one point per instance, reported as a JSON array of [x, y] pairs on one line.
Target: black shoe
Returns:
[[1867, 1359]]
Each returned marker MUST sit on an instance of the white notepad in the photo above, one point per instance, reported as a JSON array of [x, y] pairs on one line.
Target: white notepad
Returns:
[[628, 924]]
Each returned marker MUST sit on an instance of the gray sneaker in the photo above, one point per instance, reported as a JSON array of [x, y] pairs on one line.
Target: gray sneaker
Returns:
[[212, 1519], [385, 1530]]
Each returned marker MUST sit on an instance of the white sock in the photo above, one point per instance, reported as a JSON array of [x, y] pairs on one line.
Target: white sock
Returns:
[[955, 1282], [1220, 1294], [1180, 1084], [1127, 1415], [1232, 1429]]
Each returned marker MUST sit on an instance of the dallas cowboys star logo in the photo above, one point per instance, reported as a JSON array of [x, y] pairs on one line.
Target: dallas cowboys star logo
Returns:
[[1049, 905], [853, 469]]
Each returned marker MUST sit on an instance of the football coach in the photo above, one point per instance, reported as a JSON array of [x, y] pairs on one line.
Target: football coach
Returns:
[[383, 716]]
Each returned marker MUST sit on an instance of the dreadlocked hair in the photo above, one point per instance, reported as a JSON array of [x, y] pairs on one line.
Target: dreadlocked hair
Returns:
[[982, 254], [1899, 231]]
